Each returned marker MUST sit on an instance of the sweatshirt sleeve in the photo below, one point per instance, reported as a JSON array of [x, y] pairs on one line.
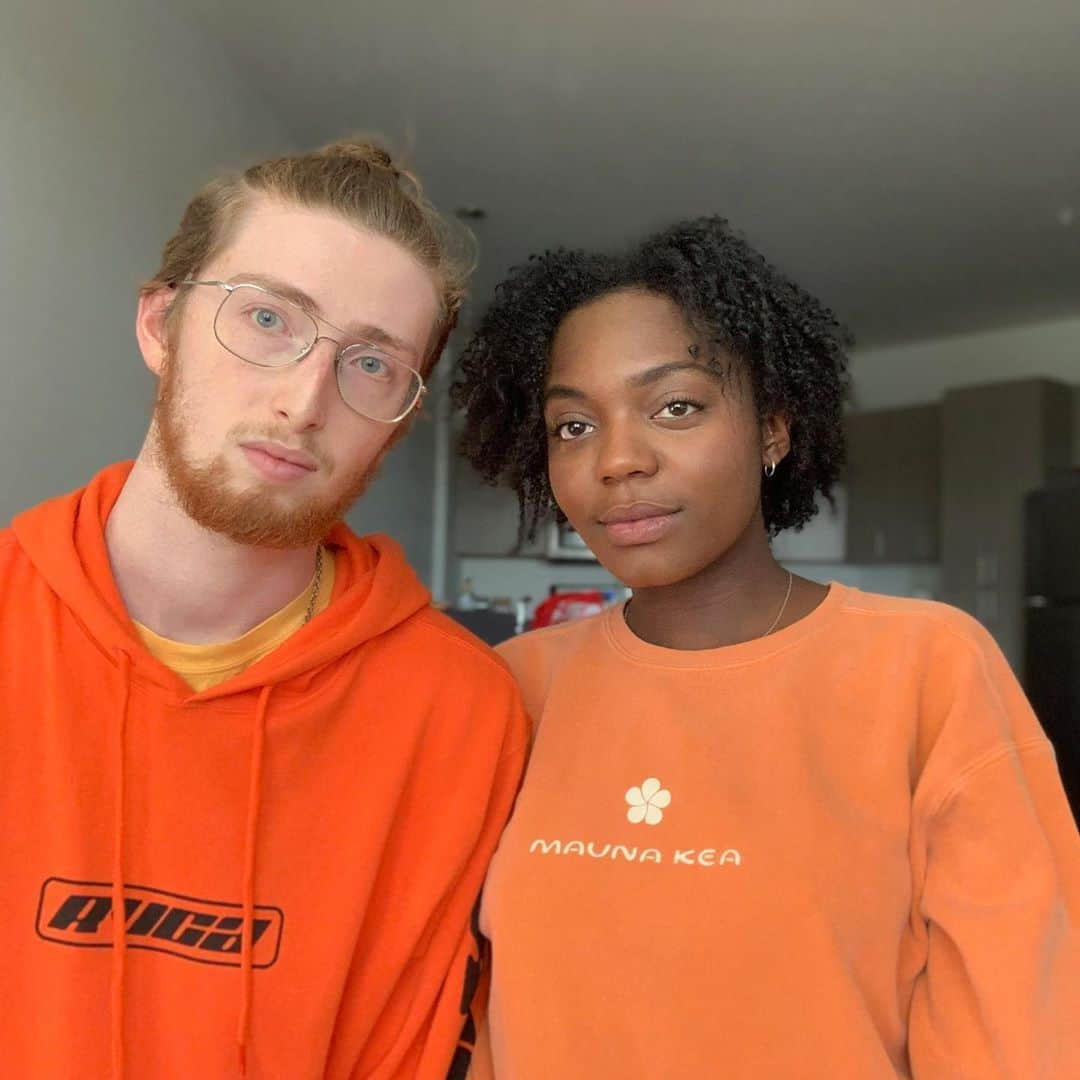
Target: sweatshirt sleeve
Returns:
[[1000, 903]]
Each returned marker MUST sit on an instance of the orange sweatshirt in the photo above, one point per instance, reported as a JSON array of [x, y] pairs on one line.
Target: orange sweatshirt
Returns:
[[341, 797], [840, 851]]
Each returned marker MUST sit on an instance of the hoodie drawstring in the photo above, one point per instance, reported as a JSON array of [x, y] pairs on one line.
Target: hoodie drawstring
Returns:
[[119, 910], [248, 889]]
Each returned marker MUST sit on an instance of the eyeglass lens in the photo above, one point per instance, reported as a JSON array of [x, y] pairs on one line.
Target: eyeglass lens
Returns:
[[270, 331]]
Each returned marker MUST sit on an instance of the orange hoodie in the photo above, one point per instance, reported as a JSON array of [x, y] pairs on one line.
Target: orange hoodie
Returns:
[[341, 797], [841, 851]]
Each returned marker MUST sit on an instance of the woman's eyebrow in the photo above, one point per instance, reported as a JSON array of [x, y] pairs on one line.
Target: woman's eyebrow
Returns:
[[655, 374], [643, 378], [558, 390]]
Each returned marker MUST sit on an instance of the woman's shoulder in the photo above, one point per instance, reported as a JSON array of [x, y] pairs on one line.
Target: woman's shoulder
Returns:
[[949, 653], [912, 617]]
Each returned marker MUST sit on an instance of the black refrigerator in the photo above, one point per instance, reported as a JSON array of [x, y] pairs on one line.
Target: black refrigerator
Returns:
[[1052, 624]]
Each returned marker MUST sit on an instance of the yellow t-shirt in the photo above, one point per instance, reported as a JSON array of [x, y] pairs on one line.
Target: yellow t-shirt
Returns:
[[203, 666]]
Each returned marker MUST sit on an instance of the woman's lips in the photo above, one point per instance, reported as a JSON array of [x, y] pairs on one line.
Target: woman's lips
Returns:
[[628, 526]]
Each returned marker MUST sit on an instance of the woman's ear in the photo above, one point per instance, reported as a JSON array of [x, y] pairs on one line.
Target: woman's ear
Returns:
[[775, 439], [150, 329]]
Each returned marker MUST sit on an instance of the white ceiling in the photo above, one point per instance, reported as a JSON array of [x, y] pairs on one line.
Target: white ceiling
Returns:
[[912, 163]]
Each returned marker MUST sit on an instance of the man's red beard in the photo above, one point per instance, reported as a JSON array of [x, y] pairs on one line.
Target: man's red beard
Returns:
[[261, 517]]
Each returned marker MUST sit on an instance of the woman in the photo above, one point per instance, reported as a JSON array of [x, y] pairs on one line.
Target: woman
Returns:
[[770, 828]]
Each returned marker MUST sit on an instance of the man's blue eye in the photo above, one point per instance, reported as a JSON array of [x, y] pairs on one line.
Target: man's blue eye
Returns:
[[372, 365], [267, 319]]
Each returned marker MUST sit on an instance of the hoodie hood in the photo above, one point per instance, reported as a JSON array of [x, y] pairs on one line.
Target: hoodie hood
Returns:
[[64, 538]]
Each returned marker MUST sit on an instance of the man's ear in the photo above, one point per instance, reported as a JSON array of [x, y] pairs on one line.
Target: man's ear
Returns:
[[150, 331], [775, 439]]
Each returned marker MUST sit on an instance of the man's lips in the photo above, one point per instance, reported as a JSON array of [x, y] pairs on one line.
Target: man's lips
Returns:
[[283, 453], [279, 463], [630, 524]]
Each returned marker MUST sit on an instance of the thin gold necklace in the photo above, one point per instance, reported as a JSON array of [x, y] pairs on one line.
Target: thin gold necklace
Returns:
[[783, 606], [316, 581], [772, 626]]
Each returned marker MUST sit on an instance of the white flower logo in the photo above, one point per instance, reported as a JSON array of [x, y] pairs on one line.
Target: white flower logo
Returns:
[[647, 803]]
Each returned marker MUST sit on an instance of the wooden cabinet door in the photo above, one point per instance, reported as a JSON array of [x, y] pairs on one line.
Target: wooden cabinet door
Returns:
[[893, 483], [1000, 442]]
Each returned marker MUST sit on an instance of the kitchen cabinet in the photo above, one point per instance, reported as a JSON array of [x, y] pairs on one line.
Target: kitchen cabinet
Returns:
[[893, 481], [999, 443]]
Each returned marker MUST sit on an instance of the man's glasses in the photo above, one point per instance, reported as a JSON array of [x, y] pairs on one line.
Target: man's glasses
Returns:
[[265, 329]]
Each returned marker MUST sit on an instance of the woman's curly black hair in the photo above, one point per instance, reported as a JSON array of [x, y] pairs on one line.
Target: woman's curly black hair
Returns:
[[793, 348]]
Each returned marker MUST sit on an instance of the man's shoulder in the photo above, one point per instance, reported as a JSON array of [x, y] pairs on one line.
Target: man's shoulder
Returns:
[[11, 552], [457, 666], [20, 579], [443, 639]]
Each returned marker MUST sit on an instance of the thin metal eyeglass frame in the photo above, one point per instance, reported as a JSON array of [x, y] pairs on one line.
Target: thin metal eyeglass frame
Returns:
[[231, 286]]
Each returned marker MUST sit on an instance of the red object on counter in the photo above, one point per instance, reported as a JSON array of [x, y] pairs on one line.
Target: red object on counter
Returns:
[[562, 607]]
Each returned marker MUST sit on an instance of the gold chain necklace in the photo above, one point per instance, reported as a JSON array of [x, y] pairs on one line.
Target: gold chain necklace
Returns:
[[772, 626], [316, 581], [783, 606]]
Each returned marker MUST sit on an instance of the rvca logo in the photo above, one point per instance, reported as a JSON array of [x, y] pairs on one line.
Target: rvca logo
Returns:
[[208, 931]]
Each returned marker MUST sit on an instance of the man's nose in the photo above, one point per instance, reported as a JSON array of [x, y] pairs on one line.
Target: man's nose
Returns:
[[305, 390]]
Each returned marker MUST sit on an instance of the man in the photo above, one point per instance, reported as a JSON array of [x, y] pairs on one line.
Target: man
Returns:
[[249, 780]]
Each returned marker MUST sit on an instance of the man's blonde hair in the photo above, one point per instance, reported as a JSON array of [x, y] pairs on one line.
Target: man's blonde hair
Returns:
[[358, 180]]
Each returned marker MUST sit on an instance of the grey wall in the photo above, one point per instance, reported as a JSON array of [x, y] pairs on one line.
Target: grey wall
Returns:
[[922, 371], [399, 501], [1076, 428], [114, 114]]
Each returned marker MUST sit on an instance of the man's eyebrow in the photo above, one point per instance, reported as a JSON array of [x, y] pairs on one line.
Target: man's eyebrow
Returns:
[[373, 335]]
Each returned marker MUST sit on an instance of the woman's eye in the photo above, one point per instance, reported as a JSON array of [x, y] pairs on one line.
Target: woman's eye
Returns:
[[572, 429], [676, 410]]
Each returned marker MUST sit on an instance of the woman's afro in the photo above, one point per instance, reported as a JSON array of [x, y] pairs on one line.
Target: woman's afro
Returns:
[[738, 305]]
